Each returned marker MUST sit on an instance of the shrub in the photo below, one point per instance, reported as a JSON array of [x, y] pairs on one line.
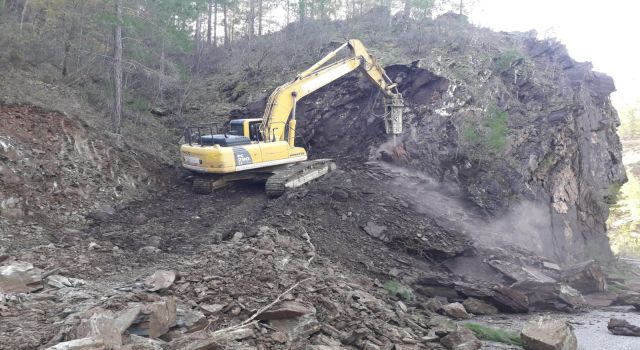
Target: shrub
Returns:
[[495, 334], [397, 289]]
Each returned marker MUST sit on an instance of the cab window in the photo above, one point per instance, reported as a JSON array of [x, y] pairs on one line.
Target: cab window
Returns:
[[254, 131], [236, 128]]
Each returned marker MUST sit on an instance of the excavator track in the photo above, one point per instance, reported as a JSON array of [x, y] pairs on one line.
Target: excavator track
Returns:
[[201, 185], [296, 175]]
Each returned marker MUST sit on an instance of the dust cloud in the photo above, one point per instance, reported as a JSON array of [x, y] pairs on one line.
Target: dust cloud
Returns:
[[526, 224]]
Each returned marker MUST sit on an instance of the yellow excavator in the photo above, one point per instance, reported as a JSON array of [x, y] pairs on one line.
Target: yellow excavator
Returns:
[[264, 148]]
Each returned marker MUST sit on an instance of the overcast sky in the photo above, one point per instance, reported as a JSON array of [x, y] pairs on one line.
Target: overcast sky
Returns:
[[602, 32]]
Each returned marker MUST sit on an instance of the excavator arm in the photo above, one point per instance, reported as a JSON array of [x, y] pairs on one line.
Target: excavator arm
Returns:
[[279, 119]]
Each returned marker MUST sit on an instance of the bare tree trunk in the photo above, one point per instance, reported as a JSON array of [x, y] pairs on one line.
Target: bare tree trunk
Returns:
[[407, 7], [161, 77], [24, 12], [251, 18], [259, 17], [116, 119], [198, 44], [225, 24], [288, 9], [215, 25], [67, 49], [461, 5], [302, 9], [209, 10]]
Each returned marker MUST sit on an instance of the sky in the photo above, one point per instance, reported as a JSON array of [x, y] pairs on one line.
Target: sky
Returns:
[[602, 32]]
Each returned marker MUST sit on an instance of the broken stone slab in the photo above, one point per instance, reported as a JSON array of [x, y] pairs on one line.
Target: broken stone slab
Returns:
[[586, 277], [517, 273], [461, 339], [376, 231], [161, 279], [200, 340], [509, 300], [20, 277], [546, 333], [479, 307], [98, 323], [80, 344], [628, 298], [192, 320], [141, 343], [155, 319], [211, 308], [455, 310], [551, 296], [622, 327], [288, 309], [58, 281]]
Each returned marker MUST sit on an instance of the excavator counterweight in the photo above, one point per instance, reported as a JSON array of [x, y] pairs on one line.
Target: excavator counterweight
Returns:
[[264, 148]]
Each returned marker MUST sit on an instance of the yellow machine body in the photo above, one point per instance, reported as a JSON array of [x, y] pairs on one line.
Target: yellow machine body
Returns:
[[262, 143], [217, 159]]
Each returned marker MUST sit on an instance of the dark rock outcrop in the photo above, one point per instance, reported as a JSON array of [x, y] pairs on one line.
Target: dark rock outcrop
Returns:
[[527, 133]]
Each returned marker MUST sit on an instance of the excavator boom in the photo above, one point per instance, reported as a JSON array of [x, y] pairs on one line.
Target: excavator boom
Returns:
[[278, 121]]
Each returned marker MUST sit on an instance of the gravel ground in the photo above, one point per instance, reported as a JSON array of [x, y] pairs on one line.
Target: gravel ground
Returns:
[[590, 328]]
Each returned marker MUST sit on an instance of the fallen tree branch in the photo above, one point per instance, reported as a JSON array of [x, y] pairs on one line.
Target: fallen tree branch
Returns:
[[250, 321]]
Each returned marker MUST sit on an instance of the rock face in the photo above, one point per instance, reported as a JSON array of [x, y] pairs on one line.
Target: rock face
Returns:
[[545, 333], [537, 149]]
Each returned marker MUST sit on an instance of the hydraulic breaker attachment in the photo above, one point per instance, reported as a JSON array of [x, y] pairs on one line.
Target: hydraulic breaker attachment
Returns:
[[393, 115]]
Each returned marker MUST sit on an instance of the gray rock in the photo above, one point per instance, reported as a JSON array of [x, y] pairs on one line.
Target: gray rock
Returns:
[[461, 339], [155, 319], [288, 309], [455, 310], [546, 333], [479, 307], [59, 282], [19, 277], [622, 327], [160, 279], [376, 231], [80, 344]]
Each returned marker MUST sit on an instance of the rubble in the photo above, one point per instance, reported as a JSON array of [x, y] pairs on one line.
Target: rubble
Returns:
[[19, 277], [622, 327], [546, 333]]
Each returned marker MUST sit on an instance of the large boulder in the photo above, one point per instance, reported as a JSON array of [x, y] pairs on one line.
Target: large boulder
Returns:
[[479, 307], [546, 333], [19, 277], [455, 310], [461, 339]]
